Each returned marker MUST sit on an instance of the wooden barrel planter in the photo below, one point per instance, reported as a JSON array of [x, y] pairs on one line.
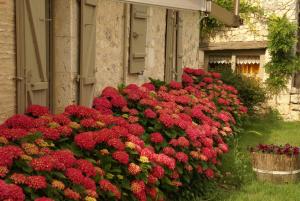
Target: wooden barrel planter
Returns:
[[276, 168]]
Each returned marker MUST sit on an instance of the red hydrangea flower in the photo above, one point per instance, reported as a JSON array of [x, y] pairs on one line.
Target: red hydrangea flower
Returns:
[[136, 129], [11, 192], [64, 159], [169, 151], [44, 163], [86, 167], [182, 157], [134, 169], [75, 175], [8, 154], [61, 119], [223, 147], [156, 138], [149, 114], [86, 140], [88, 123], [36, 182], [43, 199], [69, 193], [118, 101], [183, 142], [209, 173], [158, 172], [167, 120], [149, 86], [175, 85], [187, 79], [89, 184], [121, 156], [137, 186], [116, 143], [37, 110], [50, 133], [101, 103], [19, 121], [108, 186]]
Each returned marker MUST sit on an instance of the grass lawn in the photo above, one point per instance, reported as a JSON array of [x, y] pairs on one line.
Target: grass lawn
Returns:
[[240, 183]]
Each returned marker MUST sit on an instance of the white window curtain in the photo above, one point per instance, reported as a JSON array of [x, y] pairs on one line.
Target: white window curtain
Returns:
[[219, 59]]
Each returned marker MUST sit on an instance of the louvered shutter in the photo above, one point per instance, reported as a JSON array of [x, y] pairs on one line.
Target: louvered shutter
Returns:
[[138, 38], [87, 51], [32, 50], [170, 45], [179, 48]]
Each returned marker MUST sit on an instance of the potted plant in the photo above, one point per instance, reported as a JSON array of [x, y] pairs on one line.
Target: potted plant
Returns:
[[276, 163]]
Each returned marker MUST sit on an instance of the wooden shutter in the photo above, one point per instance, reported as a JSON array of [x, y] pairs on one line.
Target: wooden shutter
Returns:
[[170, 45], [138, 38], [32, 54], [179, 48], [87, 51]]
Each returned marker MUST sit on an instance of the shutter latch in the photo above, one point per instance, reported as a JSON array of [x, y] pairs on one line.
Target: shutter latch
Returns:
[[46, 19], [77, 78], [135, 35], [18, 78]]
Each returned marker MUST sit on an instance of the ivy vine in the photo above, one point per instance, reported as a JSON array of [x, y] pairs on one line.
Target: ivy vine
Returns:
[[281, 45]]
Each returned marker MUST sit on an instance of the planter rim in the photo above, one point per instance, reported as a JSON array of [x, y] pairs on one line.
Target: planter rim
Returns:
[[273, 154]]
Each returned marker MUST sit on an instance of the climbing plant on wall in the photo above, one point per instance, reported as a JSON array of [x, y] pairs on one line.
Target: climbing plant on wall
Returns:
[[210, 25], [281, 45]]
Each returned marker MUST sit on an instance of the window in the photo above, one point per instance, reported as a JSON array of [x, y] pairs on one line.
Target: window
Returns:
[[219, 62], [248, 65]]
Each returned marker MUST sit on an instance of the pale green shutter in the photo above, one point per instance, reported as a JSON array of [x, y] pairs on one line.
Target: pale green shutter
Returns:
[[173, 67], [179, 47], [170, 45], [138, 38], [32, 50], [87, 51]]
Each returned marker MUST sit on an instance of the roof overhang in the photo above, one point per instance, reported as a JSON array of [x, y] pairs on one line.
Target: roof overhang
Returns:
[[197, 5], [227, 17]]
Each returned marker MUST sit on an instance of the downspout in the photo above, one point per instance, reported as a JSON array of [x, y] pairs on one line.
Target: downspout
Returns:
[[126, 42]]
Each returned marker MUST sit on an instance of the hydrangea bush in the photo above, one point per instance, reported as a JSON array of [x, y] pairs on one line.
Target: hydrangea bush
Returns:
[[136, 143]]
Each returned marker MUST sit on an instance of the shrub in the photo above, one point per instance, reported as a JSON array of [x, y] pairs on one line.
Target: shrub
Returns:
[[138, 143], [251, 90]]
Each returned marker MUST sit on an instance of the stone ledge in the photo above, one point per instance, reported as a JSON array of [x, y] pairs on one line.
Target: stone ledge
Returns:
[[235, 45]]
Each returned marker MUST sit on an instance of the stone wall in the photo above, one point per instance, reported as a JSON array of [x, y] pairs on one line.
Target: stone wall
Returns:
[[190, 39], [7, 59], [254, 28], [66, 53], [109, 43]]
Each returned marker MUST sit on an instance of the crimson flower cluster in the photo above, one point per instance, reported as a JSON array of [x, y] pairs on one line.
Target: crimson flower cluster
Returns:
[[136, 143], [276, 149]]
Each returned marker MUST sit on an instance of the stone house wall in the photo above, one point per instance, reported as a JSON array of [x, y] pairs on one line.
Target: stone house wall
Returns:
[[111, 55], [7, 59], [255, 30]]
